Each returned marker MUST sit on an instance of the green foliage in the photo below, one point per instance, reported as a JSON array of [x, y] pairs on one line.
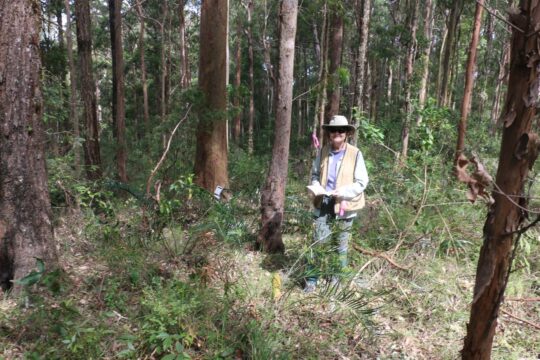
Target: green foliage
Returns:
[[50, 279], [247, 173], [167, 325], [367, 130]]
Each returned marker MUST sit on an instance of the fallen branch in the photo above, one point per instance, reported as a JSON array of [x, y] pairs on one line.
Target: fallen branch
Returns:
[[536, 326], [160, 162], [534, 299], [382, 256]]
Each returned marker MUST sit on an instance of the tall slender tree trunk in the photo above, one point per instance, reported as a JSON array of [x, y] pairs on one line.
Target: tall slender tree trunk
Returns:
[[448, 51], [251, 108], [469, 81], [409, 67], [63, 127], [92, 157], [146, 110], [363, 14], [501, 79], [163, 62], [390, 81], [428, 30], [183, 48], [334, 56], [273, 192], [269, 68], [320, 50], [211, 152], [237, 124], [485, 73], [324, 79], [118, 105], [73, 115], [26, 231], [455, 69], [519, 149]]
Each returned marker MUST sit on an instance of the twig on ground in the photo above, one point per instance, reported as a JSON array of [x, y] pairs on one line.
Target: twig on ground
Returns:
[[536, 326], [534, 299], [382, 256]]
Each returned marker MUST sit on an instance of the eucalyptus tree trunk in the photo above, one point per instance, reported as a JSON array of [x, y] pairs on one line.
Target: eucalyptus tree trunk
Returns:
[[363, 13], [184, 62], [409, 67], [251, 108], [320, 51], [501, 79], [73, 115], [334, 56], [485, 73], [469, 81], [273, 192], [26, 231], [163, 62], [211, 151], [448, 51], [92, 157], [237, 123], [118, 105], [146, 111], [428, 31], [269, 68], [519, 149]]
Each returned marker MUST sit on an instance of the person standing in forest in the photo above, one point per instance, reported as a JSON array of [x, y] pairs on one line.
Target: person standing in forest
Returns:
[[338, 180]]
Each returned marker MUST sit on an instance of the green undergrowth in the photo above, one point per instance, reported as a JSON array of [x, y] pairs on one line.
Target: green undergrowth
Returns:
[[181, 279]]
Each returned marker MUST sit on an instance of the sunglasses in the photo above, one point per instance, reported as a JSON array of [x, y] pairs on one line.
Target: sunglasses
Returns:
[[340, 130]]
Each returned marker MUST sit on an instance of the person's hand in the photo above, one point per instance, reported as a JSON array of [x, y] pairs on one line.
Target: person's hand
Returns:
[[336, 193]]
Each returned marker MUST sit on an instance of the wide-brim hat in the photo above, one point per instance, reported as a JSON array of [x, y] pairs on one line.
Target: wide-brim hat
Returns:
[[339, 121]]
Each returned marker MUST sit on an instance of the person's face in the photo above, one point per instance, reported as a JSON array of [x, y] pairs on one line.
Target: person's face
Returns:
[[338, 136]]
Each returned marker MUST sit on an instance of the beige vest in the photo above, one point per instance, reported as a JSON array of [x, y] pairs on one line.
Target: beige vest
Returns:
[[345, 176]]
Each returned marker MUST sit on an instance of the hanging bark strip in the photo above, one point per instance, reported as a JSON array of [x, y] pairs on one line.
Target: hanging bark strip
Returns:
[[26, 231], [469, 82], [273, 193], [519, 150]]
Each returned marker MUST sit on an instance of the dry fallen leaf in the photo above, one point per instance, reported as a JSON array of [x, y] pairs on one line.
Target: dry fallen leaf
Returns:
[[477, 182]]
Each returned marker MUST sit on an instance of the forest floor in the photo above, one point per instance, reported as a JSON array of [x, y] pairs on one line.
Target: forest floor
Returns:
[[200, 295]]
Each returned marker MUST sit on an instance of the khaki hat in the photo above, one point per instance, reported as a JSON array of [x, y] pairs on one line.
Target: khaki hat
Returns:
[[338, 121]]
